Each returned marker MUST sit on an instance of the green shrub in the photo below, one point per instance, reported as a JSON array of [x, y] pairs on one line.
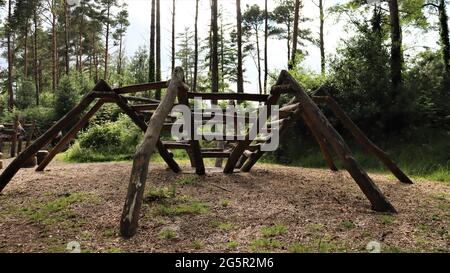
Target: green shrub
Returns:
[[25, 95], [66, 97], [109, 141]]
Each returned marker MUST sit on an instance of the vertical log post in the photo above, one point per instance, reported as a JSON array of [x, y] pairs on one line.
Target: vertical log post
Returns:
[[195, 149], [31, 134], [139, 172], [14, 136]]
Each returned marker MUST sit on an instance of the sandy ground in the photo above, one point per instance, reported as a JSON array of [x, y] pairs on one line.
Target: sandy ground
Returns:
[[271, 209]]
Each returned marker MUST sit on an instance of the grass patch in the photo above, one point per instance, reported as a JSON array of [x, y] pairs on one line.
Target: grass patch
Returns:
[[225, 203], [386, 219], [194, 207], [424, 156], [188, 180], [232, 245], [197, 244], [223, 226], [264, 244], [167, 234], [347, 224], [161, 194], [55, 211], [273, 231]]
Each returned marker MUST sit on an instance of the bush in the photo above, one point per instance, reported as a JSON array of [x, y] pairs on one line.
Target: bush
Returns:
[[109, 141], [66, 97], [44, 117], [25, 95]]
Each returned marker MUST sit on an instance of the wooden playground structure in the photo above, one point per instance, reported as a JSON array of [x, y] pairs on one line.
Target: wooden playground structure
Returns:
[[16, 134], [241, 155]]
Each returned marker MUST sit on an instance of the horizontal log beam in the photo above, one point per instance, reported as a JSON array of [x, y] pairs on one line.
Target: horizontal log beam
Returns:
[[229, 96], [141, 87]]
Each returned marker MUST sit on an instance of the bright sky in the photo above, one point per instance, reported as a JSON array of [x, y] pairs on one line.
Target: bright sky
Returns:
[[138, 32]]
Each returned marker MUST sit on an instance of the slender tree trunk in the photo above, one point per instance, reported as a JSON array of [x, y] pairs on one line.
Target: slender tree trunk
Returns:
[[194, 84], [240, 75], [214, 49], [222, 57], [80, 44], [444, 33], [322, 39], [119, 63], [266, 36], [10, 62], [66, 31], [25, 53], [158, 47], [396, 47], [151, 67], [95, 57], [35, 53], [108, 14], [289, 43], [54, 49], [173, 33], [258, 53], [295, 34]]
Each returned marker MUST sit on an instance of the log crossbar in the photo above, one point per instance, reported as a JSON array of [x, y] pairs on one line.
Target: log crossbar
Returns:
[[241, 154]]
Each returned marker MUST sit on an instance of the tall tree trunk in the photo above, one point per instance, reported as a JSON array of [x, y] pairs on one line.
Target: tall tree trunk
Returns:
[[80, 44], [10, 62], [240, 75], [322, 39], [258, 53], [295, 34], [54, 49], [289, 43], [444, 33], [119, 63], [396, 47], [151, 66], [173, 33], [108, 14], [266, 36], [194, 83], [25, 53], [214, 50], [158, 47], [35, 55], [66, 32]]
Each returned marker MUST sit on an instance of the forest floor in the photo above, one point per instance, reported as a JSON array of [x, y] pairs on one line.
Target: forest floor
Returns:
[[271, 209]]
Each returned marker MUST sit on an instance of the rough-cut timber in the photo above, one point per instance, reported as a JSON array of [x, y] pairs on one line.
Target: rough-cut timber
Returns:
[[131, 210], [43, 140], [69, 136], [362, 138], [319, 121]]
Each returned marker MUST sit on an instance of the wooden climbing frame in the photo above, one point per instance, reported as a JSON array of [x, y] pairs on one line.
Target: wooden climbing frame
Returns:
[[241, 153]]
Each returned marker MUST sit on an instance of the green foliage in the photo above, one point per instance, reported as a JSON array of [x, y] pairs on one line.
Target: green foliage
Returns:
[[107, 141], [25, 95], [44, 116], [66, 97], [273, 231]]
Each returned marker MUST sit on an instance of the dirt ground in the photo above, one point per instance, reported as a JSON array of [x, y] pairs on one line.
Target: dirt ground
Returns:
[[271, 209]]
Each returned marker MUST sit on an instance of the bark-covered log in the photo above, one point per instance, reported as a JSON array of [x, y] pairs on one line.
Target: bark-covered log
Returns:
[[138, 178], [323, 126], [362, 138]]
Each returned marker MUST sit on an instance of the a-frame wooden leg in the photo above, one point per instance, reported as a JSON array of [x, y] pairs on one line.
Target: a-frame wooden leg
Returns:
[[362, 138], [69, 136], [43, 140], [322, 144], [378, 200], [143, 126]]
